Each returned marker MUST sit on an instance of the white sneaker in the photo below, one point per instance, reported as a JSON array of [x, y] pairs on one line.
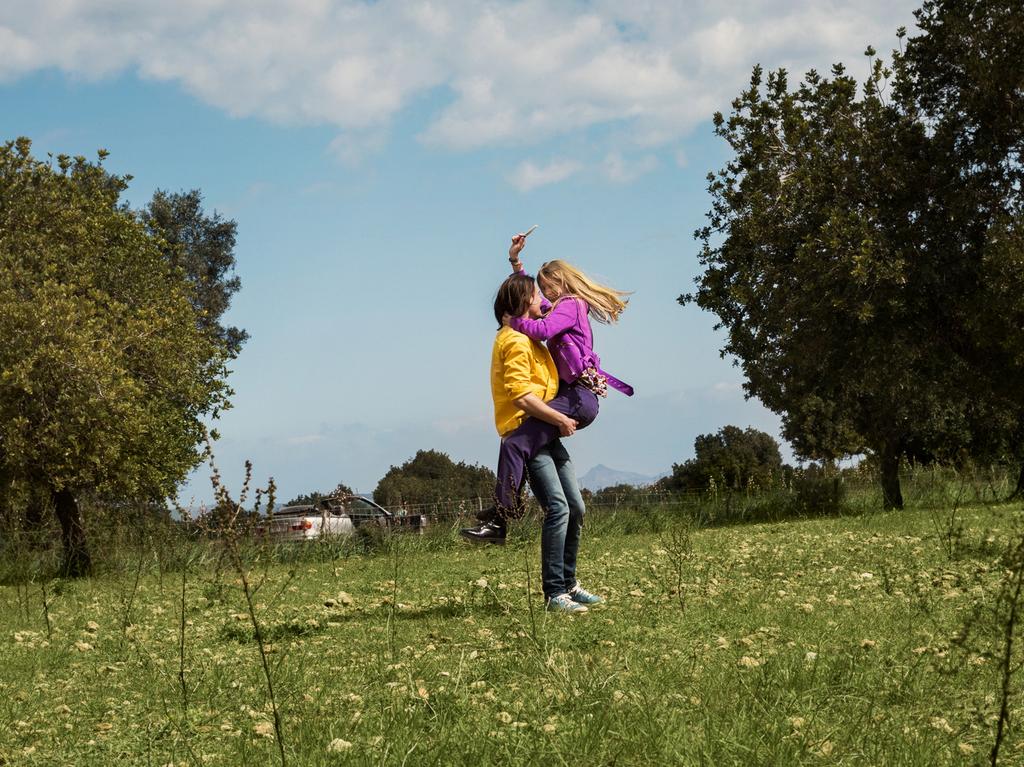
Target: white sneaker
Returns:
[[563, 603], [584, 597]]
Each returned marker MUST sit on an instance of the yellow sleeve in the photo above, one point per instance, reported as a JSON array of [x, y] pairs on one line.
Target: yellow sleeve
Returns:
[[518, 361]]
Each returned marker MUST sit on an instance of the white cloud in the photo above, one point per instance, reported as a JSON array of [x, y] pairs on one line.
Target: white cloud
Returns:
[[529, 176], [623, 171], [515, 72], [353, 147]]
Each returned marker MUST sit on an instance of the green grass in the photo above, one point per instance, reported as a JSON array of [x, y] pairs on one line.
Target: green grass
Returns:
[[826, 641]]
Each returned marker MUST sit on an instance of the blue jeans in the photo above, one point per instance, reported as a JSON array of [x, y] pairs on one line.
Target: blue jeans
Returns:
[[553, 480]]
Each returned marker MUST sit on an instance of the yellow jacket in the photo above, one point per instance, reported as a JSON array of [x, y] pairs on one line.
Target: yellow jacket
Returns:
[[519, 366]]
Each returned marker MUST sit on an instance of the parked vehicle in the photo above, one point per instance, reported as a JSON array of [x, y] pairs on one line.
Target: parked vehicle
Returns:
[[336, 515]]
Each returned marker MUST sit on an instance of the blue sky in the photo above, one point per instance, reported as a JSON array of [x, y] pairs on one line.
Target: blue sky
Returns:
[[378, 156]]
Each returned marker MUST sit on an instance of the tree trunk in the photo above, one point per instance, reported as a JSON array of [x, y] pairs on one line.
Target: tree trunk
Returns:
[[892, 497], [1019, 490], [77, 561]]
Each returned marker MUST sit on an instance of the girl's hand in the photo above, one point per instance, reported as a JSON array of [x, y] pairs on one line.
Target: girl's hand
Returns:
[[567, 427], [518, 243]]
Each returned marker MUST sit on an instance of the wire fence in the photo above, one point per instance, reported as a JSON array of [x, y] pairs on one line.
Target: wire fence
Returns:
[[921, 488]]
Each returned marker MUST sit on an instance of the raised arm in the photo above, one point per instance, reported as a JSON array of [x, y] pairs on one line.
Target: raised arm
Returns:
[[518, 243]]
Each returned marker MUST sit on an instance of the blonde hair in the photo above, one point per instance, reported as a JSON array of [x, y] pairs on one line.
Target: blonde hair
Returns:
[[606, 304]]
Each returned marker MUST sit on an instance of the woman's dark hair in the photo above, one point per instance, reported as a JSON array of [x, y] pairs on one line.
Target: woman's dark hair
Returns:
[[514, 296]]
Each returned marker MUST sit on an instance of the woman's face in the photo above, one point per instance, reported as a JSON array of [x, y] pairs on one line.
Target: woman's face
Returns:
[[534, 310]]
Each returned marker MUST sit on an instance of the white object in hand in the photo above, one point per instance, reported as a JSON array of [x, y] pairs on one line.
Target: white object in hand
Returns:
[[530, 230]]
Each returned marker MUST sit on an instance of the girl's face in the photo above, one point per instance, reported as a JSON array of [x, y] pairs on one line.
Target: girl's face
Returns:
[[552, 291], [534, 310]]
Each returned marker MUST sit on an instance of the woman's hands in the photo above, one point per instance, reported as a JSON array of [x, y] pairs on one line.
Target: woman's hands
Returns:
[[566, 426]]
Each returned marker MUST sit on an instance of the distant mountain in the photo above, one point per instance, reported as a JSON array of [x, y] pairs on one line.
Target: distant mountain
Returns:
[[601, 477]]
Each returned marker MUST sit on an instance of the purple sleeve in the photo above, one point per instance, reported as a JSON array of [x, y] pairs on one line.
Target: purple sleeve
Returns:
[[545, 305], [561, 318]]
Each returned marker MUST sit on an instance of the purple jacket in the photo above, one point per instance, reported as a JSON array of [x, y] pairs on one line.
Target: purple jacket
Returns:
[[570, 339]]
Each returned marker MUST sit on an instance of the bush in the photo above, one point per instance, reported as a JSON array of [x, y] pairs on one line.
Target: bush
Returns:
[[815, 494]]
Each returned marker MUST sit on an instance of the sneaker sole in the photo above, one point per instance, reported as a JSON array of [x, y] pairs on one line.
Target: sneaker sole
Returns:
[[580, 609], [481, 541]]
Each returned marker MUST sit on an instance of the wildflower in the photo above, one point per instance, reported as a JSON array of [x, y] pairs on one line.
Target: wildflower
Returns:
[[940, 723], [264, 729], [338, 744], [966, 749], [810, 657], [504, 717], [747, 662], [83, 646], [481, 583], [868, 644]]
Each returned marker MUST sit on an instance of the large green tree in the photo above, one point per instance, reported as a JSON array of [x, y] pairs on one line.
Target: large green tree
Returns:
[[810, 261], [964, 73], [430, 477], [864, 245], [105, 374]]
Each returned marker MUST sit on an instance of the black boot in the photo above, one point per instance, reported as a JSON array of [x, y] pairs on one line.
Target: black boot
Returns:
[[488, 532], [490, 514]]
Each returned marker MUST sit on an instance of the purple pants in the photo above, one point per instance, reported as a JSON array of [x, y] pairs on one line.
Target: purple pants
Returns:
[[519, 446]]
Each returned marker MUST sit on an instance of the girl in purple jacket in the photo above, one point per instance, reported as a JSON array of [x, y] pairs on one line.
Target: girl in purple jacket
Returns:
[[570, 339]]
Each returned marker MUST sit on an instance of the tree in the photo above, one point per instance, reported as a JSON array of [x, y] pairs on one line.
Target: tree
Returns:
[[825, 261], [314, 498], [618, 495], [965, 74], [431, 476], [203, 247], [105, 375], [733, 458]]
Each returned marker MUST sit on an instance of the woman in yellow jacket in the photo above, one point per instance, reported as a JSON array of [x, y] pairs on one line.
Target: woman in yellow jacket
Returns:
[[523, 379]]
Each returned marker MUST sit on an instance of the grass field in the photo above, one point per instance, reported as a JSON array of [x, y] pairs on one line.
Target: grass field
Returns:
[[829, 641]]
